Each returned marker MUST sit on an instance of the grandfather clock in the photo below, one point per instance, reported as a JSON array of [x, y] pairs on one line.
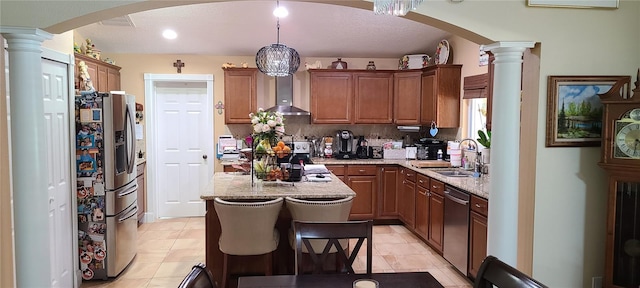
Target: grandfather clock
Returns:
[[621, 160]]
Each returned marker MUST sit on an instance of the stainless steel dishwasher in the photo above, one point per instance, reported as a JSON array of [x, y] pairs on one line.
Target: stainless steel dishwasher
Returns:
[[456, 228]]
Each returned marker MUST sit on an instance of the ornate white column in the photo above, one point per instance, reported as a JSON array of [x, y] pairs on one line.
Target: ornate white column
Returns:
[[502, 239], [29, 166]]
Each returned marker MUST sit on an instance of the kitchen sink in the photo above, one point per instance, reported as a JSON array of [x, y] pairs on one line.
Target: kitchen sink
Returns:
[[455, 173]]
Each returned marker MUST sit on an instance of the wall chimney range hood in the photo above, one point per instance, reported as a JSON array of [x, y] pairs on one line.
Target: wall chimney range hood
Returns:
[[284, 98]]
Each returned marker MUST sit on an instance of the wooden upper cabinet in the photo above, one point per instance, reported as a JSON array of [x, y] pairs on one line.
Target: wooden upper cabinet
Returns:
[[113, 79], [104, 76], [373, 97], [407, 91], [441, 85], [240, 94], [331, 97]]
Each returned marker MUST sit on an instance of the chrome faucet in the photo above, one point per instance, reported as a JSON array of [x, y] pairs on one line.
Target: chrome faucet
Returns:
[[478, 163]]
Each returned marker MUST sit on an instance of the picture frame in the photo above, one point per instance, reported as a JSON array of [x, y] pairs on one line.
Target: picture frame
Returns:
[[574, 110], [606, 4]]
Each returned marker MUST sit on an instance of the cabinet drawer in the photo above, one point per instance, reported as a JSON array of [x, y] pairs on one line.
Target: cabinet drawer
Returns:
[[410, 175], [480, 205], [337, 170], [356, 170], [423, 181], [437, 187]]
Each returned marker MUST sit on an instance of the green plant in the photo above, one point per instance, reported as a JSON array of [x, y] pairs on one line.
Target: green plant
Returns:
[[484, 139]]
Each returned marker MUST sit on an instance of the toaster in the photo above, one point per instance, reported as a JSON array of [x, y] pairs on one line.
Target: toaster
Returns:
[[376, 152]]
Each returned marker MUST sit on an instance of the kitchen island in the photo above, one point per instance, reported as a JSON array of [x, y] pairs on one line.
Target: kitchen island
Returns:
[[237, 187]]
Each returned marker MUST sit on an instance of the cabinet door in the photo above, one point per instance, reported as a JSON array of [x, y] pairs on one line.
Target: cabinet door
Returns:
[[388, 200], [92, 69], [365, 200], [113, 80], [407, 93], [490, 73], [428, 101], [422, 212], [141, 191], [331, 97], [240, 96], [103, 79], [436, 221], [478, 244], [441, 87], [373, 97]]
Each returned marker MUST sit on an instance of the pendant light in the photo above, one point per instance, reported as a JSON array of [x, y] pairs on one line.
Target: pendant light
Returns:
[[277, 59], [395, 7]]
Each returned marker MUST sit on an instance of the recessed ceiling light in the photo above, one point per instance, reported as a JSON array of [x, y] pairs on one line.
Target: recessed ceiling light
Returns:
[[169, 34], [280, 12]]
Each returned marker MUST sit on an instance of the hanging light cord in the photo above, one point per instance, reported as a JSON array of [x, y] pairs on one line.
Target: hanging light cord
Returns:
[[277, 23]]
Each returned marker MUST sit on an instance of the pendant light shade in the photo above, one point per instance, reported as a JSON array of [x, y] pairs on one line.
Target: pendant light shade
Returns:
[[277, 60], [395, 7]]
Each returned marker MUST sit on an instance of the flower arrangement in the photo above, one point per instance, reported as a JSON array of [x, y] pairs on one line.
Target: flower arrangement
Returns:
[[267, 125]]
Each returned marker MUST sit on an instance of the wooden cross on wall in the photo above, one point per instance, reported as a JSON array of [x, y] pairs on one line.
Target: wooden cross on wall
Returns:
[[178, 64]]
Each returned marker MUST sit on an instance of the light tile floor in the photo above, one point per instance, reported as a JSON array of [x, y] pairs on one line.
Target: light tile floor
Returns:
[[167, 249]]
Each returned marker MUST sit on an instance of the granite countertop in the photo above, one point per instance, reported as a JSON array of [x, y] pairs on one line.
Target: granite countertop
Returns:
[[234, 185], [478, 186]]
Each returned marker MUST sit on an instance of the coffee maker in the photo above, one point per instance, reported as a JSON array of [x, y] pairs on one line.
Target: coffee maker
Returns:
[[432, 145], [344, 145]]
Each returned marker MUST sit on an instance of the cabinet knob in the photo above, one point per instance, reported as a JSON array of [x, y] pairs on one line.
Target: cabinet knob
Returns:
[[204, 156], [421, 181], [429, 194], [361, 170], [479, 206]]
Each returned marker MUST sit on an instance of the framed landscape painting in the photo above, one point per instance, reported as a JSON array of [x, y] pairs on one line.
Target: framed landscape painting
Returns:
[[574, 110]]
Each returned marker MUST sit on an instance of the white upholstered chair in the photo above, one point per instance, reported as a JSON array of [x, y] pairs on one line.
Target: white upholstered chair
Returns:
[[248, 228]]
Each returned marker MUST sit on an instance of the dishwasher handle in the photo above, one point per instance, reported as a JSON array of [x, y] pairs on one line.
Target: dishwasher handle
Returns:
[[455, 199]]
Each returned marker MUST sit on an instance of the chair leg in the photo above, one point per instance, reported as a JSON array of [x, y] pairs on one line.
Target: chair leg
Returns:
[[269, 264], [225, 270]]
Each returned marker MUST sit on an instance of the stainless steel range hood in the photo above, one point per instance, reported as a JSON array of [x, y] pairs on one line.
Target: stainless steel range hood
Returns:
[[284, 98]]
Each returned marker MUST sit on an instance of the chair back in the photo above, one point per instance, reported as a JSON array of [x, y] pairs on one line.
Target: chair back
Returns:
[[318, 210], [495, 272], [247, 228], [198, 277], [332, 231]]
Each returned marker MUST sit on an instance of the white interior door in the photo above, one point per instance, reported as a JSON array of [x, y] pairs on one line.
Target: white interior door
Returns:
[[183, 132], [56, 114]]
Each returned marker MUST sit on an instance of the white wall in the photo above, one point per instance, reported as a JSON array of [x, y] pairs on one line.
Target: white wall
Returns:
[[570, 187]]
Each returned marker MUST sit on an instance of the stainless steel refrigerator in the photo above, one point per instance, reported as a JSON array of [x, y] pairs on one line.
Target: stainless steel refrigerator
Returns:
[[106, 183]]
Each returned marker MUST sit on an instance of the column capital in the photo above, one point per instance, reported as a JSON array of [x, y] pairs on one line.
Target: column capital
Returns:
[[25, 33], [508, 46]]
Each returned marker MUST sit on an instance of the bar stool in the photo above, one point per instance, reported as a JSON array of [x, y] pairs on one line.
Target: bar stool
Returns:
[[318, 210], [248, 228]]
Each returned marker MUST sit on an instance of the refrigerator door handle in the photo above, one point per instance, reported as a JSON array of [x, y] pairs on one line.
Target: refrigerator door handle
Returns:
[[128, 191], [131, 213], [132, 146]]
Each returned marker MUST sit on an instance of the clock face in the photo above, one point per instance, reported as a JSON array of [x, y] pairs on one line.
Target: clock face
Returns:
[[635, 114], [627, 140]]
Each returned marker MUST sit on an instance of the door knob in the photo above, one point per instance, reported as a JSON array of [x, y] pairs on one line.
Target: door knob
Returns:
[[204, 156]]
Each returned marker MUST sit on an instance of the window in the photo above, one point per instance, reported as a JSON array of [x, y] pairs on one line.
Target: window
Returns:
[[476, 116]]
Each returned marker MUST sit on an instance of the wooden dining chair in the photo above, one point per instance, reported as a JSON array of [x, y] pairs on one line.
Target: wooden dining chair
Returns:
[[495, 272], [333, 232], [198, 277]]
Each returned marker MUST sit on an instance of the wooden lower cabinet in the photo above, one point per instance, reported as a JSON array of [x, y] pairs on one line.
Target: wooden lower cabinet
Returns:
[[436, 215], [406, 200], [422, 206], [477, 234], [388, 199], [141, 191], [363, 179]]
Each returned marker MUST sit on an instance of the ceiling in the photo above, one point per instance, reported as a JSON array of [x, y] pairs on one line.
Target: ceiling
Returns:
[[241, 28]]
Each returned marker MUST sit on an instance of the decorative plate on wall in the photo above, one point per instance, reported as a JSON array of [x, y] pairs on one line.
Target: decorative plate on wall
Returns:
[[442, 52]]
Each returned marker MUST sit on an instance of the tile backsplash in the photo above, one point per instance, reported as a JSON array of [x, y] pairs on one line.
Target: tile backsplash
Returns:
[[301, 129]]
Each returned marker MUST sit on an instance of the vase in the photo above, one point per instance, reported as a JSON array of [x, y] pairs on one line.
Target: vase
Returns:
[[486, 155]]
